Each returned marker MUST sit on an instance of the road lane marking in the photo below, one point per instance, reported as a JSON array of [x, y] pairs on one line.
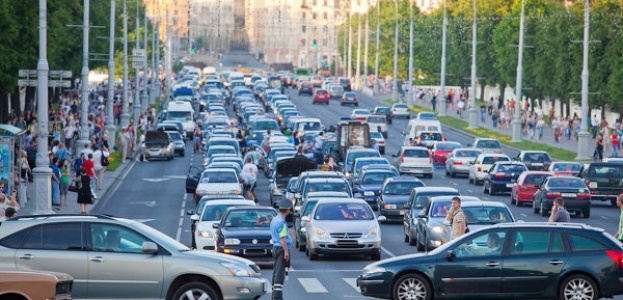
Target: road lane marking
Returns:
[[185, 196], [604, 217], [387, 251], [323, 271], [312, 285], [183, 205], [182, 213], [181, 221], [470, 191], [179, 234], [352, 282], [524, 215]]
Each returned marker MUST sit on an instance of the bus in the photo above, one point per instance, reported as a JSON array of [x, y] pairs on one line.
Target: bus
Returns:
[[301, 72]]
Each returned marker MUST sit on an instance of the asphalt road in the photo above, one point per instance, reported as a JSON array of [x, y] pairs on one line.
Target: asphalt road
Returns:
[[154, 193]]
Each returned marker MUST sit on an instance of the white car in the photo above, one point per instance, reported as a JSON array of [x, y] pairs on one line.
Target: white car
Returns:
[[478, 169], [414, 160], [218, 181], [401, 110], [212, 212], [459, 160], [487, 145]]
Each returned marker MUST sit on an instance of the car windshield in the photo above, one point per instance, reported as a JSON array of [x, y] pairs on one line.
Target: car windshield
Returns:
[[382, 110], [376, 178], [440, 209], [486, 215], [511, 168], [535, 179], [489, 160], [567, 167], [355, 155], [376, 119], [326, 187], [309, 126], [175, 136], [361, 164], [227, 150], [343, 211], [400, 188], [265, 125], [489, 144], [561, 182], [309, 206], [467, 153], [219, 177], [536, 157], [401, 106], [422, 199], [179, 116], [249, 218], [447, 146], [427, 116], [215, 212]]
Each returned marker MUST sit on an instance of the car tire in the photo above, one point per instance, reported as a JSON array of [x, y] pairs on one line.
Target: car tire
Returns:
[[199, 290], [357, 104], [409, 285], [376, 256], [484, 188], [447, 173], [311, 254], [613, 202], [578, 286], [412, 240], [406, 238], [420, 247], [542, 210], [586, 213], [534, 208], [469, 179]]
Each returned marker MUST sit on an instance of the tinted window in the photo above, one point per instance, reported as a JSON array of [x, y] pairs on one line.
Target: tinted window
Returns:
[[376, 119], [56, 236], [219, 177], [536, 157], [344, 211], [15, 240], [529, 242], [579, 243], [567, 167], [606, 171], [400, 188], [489, 160], [375, 178], [483, 244], [511, 168], [566, 183], [491, 144], [249, 218], [114, 238]]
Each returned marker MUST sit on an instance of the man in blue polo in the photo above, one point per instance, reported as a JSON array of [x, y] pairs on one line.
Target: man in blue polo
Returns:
[[281, 247]]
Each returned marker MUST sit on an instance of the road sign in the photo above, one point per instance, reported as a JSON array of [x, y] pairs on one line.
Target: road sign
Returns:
[[26, 73], [27, 82], [59, 83], [60, 73]]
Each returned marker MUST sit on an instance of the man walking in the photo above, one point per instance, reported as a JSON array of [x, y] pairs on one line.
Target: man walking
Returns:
[[620, 228], [281, 247], [249, 177], [559, 213], [457, 217]]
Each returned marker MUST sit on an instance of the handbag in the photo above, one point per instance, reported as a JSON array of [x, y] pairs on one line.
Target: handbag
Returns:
[[73, 188], [105, 161]]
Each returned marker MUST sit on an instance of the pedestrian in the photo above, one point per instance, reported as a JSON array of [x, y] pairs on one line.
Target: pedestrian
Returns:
[[614, 140], [249, 177], [619, 233], [457, 218], [9, 212], [123, 144], [56, 180], [142, 151], [88, 165], [98, 167], [62, 152], [559, 213], [85, 196], [282, 242], [594, 124], [31, 155], [64, 182], [599, 148], [197, 139]]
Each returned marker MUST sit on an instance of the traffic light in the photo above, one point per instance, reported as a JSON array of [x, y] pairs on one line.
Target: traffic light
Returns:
[[314, 45]]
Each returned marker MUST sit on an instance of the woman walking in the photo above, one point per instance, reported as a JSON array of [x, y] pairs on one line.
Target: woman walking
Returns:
[[64, 184], [84, 190]]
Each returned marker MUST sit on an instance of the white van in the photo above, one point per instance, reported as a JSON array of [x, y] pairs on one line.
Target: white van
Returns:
[[235, 76], [307, 125], [416, 125], [182, 111]]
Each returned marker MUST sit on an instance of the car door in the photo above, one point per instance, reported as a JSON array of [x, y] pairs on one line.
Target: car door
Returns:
[[57, 247], [472, 267], [118, 269], [536, 259], [192, 179]]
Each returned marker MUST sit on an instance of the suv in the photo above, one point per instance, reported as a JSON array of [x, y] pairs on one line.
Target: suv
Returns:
[[605, 180], [534, 160], [122, 259], [345, 82], [487, 145], [321, 96], [414, 159]]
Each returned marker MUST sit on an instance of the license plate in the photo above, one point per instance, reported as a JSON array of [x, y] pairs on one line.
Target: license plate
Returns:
[[592, 185], [509, 185], [537, 164], [402, 212], [568, 194]]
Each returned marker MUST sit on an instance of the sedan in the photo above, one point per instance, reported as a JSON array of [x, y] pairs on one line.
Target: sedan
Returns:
[[527, 184], [394, 195], [501, 177], [479, 167], [304, 209], [401, 110], [380, 140], [343, 226], [369, 183], [360, 114], [178, 142], [350, 98], [212, 213], [572, 190], [459, 160], [385, 111], [441, 150], [245, 232], [565, 168]]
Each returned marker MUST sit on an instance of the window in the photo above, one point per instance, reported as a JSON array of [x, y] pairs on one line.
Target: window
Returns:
[[325, 16], [484, 244], [15, 240], [58, 236], [581, 243], [528, 242], [314, 15], [326, 2], [303, 15], [114, 238], [303, 30]]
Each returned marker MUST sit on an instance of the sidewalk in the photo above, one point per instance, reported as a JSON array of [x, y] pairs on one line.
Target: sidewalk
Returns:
[[110, 180]]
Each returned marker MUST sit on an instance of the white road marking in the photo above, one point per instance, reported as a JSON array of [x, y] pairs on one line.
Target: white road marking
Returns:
[[352, 282], [176, 176], [455, 184], [183, 204], [387, 251], [604, 217], [524, 215], [181, 222], [312, 285], [185, 196], [146, 203], [179, 234], [156, 179], [182, 213], [470, 191]]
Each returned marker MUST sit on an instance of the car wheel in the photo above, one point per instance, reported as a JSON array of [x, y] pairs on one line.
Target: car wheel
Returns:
[[484, 188], [412, 286], [420, 247], [195, 290], [534, 208], [447, 173], [376, 256], [542, 210], [382, 152], [406, 238], [312, 255], [578, 287], [613, 202], [357, 104], [469, 179], [586, 213], [412, 240], [491, 190]]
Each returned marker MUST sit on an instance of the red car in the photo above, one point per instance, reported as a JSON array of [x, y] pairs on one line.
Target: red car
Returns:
[[441, 150], [527, 184], [321, 96]]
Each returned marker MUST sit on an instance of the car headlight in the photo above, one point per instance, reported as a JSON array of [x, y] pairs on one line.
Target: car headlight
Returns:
[[236, 270], [232, 242], [347, 174], [368, 193], [277, 192], [205, 234], [321, 233], [437, 229], [373, 269], [390, 206], [303, 229], [372, 233]]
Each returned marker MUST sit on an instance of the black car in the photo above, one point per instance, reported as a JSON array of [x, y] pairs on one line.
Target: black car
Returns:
[[505, 261], [534, 160], [199, 210], [369, 182], [501, 176], [604, 180], [345, 83], [394, 194], [245, 231], [284, 170], [573, 190], [306, 88], [417, 201], [385, 111]]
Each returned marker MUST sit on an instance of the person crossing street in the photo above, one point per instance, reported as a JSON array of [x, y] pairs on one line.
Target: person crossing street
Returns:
[[281, 247]]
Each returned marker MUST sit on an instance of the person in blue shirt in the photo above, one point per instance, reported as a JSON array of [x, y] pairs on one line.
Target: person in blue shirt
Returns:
[[281, 247]]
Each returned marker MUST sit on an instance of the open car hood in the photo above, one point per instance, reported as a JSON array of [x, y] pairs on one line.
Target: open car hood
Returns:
[[292, 167]]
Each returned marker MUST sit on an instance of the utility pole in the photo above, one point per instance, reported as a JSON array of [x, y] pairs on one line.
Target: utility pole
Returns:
[[516, 138], [376, 54], [346, 65], [42, 174], [136, 104], [154, 36], [410, 88], [84, 111], [583, 135], [358, 66], [365, 52], [395, 79], [350, 43], [441, 99], [125, 114], [110, 118], [144, 100], [473, 114]]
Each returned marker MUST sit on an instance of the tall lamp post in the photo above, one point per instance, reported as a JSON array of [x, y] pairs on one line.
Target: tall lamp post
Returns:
[[395, 79], [517, 115], [358, 61], [84, 111], [473, 114], [136, 103], [365, 51], [144, 100], [110, 118], [441, 99], [125, 114], [583, 135], [376, 54], [410, 89]]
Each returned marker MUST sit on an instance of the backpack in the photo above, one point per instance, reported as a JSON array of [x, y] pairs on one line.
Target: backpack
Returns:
[[105, 161]]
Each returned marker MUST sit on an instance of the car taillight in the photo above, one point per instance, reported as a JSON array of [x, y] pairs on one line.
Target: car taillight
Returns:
[[402, 157], [616, 256], [479, 168], [458, 162], [499, 175], [552, 195], [584, 196], [356, 99], [344, 99], [501, 151]]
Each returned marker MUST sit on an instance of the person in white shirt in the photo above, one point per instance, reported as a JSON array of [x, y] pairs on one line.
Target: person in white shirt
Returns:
[[249, 177], [142, 146], [99, 170]]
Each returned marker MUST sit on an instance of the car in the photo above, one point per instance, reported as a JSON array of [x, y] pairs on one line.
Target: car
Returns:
[[158, 144], [441, 150], [325, 184], [518, 267], [604, 180], [171, 126], [401, 110], [426, 115], [117, 258], [394, 194], [360, 114], [285, 170], [316, 81], [178, 142], [458, 161], [565, 168], [572, 190], [613, 159], [501, 177], [211, 214], [361, 162], [534, 160], [350, 98], [24, 284], [479, 167], [378, 123], [245, 232], [379, 139], [369, 183], [227, 150], [487, 145], [527, 184], [335, 90], [385, 111], [415, 160], [345, 82], [304, 209], [198, 210], [427, 138], [418, 199], [305, 88], [298, 189], [354, 153], [218, 181], [342, 226]]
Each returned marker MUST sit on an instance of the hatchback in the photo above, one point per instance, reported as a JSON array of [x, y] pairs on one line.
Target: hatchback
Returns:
[[527, 184], [459, 160], [534, 160], [350, 98], [501, 177], [414, 159], [401, 110]]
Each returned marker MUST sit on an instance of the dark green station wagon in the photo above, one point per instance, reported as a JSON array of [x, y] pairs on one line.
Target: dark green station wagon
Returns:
[[507, 261]]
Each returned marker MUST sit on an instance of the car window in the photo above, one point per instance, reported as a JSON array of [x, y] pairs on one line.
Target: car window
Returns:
[[219, 177], [489, 160], [606, 171], [249, 218], [309, 206], [566, 182], [431, 136], [400, 188], [416, 153], [56, 236], [482, 244], [567, 167], [440, 209], [489, 144], [114, 238], [580, 243], [375, 178], [536, 157], [343, 211], [326, 187], [214, 212], [535, 242], [511, 168], [421, 201], [467, 153]]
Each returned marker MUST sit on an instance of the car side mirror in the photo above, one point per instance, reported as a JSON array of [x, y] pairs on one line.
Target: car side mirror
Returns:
[[190, 212], [194, 218], [215, 225], [449, 255], [149, 248], [406, 207], [381, 219], [305, 219], [469, 145]]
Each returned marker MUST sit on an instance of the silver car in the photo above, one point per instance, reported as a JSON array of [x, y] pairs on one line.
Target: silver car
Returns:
[[459, 160], [116, 258], [212, 213], [342, 226], [401, 110]]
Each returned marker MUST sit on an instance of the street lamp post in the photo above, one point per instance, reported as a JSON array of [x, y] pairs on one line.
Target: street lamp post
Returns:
[[110, 118], [376, 54], [517, 115], [346, 65], [144, 100], [152, 93], [84, 111], [358, 66], [350, 45], [158, 61], [473, 114], [410, 88], [125, 114], [42, 173], [136, 103], [441, 99], [365, 52], [395, 79], [583, 135]]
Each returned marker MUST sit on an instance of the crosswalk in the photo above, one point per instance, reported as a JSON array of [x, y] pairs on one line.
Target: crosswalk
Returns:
[[318, 284]]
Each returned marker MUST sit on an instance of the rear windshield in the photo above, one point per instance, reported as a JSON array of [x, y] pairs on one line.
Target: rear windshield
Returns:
[[343, 211], [607, 171], [567, 167], [376, 178], [535, 179], [326, 187], [512, 168], [489, 144], [416, 153], [566, 182], [376, 119], [447, 146], [401, 188], [361, 164], [422, 199], [401, 106], [536, 157], [219, 177], [431, 136], [489, 160], [467, 153]]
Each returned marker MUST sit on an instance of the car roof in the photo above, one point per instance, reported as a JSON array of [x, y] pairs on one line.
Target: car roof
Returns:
[[402, 179], [413, 148], [324, 194], [482, 203], [250, 208], [230, 201], [449, 197], [340, 200], [435, 189]]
